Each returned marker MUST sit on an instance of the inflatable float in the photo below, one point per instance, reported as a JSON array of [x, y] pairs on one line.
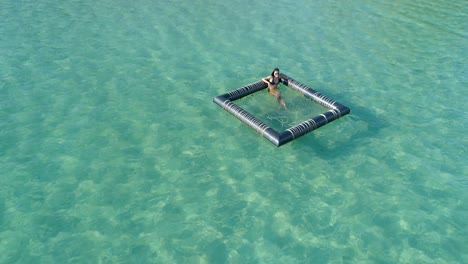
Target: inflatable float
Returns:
[[279, 138]]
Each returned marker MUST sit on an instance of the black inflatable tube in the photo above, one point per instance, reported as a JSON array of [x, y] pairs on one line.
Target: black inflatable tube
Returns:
[[336, 110]]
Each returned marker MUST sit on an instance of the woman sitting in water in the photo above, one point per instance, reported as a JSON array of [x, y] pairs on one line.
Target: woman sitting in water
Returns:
[[273, 80]]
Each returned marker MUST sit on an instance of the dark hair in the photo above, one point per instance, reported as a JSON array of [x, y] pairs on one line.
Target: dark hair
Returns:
[[273, 72]]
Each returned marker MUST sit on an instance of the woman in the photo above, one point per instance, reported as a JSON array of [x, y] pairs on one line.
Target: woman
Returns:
[[272, 81]]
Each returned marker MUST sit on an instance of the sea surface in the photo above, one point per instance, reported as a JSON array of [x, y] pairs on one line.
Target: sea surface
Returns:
[[112, 151]]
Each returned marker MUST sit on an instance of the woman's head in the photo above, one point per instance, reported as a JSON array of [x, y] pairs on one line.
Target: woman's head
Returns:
[[275, 70]]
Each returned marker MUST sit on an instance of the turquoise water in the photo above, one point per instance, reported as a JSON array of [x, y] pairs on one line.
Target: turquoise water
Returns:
[[266, 108], [111, 150]]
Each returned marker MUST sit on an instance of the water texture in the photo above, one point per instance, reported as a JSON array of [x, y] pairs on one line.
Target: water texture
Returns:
[[111, 150]]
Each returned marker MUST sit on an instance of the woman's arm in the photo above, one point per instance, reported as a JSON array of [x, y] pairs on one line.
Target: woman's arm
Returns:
[[266, 79]]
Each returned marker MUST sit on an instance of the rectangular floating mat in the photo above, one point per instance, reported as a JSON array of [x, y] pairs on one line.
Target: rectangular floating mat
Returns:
[[279, 138]]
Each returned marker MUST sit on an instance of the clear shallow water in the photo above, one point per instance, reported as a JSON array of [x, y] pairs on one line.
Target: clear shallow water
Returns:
[[299, 108], [111, 150]]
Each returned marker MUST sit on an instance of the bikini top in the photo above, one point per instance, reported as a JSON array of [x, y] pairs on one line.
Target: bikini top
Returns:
[[279, 80]]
